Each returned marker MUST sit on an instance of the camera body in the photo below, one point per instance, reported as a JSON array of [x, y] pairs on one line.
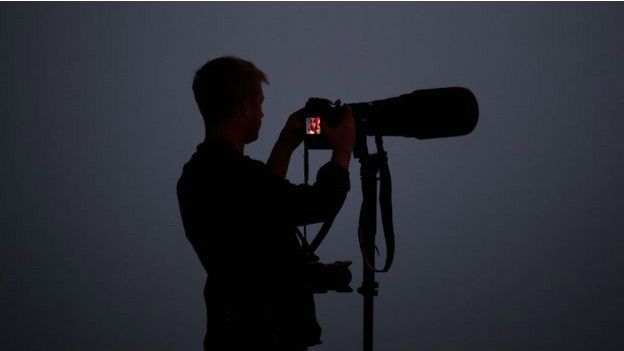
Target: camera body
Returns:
[[319, 113], [326, 277]]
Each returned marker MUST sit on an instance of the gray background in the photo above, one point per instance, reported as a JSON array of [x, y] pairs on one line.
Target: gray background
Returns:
[[508, 239]]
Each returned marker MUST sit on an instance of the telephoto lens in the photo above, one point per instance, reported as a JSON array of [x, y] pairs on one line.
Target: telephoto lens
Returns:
[[422, 114]]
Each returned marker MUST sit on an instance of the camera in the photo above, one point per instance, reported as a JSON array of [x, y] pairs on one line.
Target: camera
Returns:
[[333, 276], [320, 112], [422, 114]]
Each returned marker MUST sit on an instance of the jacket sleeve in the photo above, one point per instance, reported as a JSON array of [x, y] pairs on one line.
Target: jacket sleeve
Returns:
[[306, 204]]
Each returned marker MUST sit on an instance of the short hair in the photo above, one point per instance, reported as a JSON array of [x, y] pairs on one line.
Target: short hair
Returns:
[[222, 84]]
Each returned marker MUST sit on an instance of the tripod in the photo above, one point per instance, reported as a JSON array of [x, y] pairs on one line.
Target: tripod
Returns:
[[371, 165]]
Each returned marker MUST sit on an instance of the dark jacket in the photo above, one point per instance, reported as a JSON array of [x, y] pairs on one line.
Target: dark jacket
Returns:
[[241, 219]]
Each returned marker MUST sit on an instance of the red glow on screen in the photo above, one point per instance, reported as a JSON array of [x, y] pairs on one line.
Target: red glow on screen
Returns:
[[313, 126]]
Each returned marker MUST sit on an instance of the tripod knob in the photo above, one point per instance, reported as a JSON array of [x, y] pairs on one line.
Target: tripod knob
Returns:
[[371, 289]]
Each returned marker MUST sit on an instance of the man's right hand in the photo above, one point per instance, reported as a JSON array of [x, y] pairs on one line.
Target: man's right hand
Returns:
[[341, 137]]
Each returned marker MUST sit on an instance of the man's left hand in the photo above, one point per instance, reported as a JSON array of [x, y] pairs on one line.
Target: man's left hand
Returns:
[[294, 130]]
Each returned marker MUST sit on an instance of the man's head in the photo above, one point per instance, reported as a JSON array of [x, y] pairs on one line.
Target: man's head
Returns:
[[229, 90]]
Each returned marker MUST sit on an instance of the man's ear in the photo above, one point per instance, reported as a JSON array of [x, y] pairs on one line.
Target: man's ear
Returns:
[[245, 107], [241, 110]]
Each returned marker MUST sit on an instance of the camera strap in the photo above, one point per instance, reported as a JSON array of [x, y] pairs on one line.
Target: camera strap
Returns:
[[385, 206], [318, 239], [371, 165], [320, 236]]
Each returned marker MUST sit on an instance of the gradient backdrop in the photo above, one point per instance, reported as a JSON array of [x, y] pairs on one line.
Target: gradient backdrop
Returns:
[[510, 238]]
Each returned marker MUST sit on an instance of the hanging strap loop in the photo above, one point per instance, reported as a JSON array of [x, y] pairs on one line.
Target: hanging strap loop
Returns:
[[371, 166]]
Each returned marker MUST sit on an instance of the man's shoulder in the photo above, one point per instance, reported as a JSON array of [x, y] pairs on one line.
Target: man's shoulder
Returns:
[[216, 157]]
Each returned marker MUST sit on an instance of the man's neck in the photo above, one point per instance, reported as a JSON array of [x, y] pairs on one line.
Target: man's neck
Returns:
[[228, 136]]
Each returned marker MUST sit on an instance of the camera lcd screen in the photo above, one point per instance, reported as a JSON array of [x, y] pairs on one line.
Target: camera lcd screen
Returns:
[[313, 125]]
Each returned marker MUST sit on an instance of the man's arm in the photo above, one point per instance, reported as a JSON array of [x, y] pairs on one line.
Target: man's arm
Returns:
[[289, 139], [313, 203], [341, 138], [280, 158], [301, 204]]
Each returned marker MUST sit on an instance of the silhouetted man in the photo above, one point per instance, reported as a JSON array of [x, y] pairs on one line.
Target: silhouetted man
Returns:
[[240, 215]]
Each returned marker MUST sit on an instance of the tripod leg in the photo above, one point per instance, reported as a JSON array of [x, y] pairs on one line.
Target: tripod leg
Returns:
[[369, 276]]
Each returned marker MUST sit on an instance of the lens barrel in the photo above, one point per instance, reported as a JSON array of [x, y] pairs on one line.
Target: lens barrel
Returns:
[[422, 114]]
